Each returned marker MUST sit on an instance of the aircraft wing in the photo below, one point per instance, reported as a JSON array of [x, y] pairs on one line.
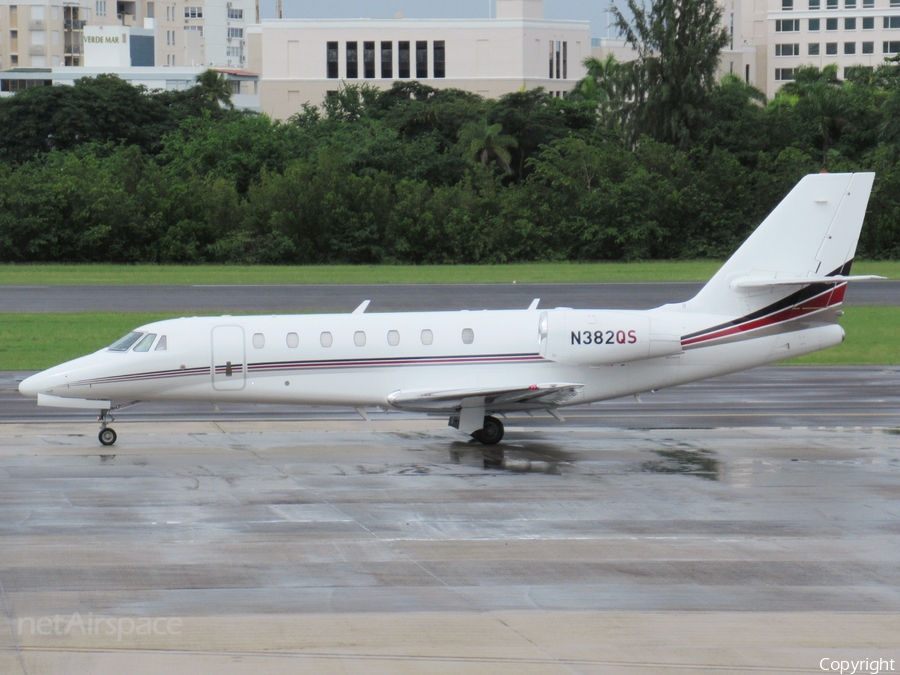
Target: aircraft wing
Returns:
[[504, 398]]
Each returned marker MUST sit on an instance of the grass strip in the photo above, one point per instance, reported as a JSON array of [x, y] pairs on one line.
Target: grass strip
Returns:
[[38, 341], [113, 275], [871, 340], [125, 275]]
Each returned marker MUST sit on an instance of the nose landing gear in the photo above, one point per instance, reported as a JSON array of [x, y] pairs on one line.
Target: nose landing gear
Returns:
[[107, 434]]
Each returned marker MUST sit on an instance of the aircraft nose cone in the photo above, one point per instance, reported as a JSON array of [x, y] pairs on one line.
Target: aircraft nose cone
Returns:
[[34, 385]]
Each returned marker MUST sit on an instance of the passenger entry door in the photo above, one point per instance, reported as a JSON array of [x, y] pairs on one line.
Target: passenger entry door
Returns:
[[228, 367]]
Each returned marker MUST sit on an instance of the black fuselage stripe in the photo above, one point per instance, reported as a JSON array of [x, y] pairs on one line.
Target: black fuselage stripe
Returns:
[[795, 298]]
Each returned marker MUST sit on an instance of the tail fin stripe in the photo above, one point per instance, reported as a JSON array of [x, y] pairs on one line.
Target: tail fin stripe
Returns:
[[801, 304], [807, 293]]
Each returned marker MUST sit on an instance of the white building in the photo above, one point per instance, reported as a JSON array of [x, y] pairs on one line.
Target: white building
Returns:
[[771, 38], [302, 60], [820, 32]]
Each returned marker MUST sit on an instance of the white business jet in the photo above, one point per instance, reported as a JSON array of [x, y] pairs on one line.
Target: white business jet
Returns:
[[778, 296]]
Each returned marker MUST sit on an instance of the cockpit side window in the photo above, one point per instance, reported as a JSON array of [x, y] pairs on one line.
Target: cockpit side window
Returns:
[[161, 346], [145, 343], [122, 344]]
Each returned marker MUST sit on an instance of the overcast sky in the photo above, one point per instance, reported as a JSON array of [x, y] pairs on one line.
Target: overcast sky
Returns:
[[594, 11]]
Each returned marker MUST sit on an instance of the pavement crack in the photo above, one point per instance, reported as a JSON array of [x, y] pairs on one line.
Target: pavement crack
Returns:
[[12, 628]]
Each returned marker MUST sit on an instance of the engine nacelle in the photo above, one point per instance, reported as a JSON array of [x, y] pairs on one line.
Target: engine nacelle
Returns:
[[600, 338]]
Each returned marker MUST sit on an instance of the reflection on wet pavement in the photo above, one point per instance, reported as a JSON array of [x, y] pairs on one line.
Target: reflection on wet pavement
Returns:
[[684, 460], [530, 458]]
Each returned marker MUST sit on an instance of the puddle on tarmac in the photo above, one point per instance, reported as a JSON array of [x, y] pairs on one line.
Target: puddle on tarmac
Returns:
[[548, 458], [535, 458], [688, 461]]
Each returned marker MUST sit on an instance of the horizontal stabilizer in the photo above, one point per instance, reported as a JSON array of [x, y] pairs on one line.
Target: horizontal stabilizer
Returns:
[[62, 402], [506, 398], [760, 282]]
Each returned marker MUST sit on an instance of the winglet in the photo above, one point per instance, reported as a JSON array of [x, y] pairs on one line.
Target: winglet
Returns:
[[534, 303], [362, 307]]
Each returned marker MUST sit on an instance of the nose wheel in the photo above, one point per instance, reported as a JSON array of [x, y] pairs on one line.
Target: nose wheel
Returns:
[[107, 434]]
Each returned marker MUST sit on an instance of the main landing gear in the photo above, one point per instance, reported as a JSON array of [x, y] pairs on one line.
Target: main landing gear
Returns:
[[107, 434], [490, 433]]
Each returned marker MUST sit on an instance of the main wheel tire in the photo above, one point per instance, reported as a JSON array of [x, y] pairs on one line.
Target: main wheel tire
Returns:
[[491, 433], [107, 436]]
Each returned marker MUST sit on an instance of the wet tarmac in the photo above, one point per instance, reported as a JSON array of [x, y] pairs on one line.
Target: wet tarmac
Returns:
[[398, 546]]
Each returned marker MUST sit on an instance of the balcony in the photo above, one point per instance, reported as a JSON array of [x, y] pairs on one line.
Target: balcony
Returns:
[[37, 50], [37, 24]]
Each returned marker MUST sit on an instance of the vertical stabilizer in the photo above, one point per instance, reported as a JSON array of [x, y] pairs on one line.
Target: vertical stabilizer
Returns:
[[810, 235]]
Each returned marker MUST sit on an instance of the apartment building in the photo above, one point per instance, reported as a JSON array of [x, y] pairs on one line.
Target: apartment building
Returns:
[[39, 34], [200, 32], [122, 33]]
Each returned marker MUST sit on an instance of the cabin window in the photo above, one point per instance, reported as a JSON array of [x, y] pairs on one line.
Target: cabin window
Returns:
[[122, 344], [293, 340], [162, 345], [468, 336], [393, 338], [259, 340], [325, 339], [359, 338], [145, 343], [427, 337]]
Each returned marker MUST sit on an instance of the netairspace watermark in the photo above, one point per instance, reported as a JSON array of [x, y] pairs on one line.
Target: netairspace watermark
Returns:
[[120, 626], [866, 666]]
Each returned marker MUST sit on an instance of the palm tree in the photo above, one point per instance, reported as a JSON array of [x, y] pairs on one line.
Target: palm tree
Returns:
[[888, 77], [602, 82], [485, 141], [820, 97], [216, 89]]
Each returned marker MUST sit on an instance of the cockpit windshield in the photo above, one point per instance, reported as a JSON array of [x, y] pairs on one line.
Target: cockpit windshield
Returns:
[[145, 343], [122, 344]]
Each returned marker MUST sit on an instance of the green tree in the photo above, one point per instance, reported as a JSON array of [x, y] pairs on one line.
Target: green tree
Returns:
[[94, 110], [738, 122], [237, 147], [678, 43], [889, 78], [534, 118]]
